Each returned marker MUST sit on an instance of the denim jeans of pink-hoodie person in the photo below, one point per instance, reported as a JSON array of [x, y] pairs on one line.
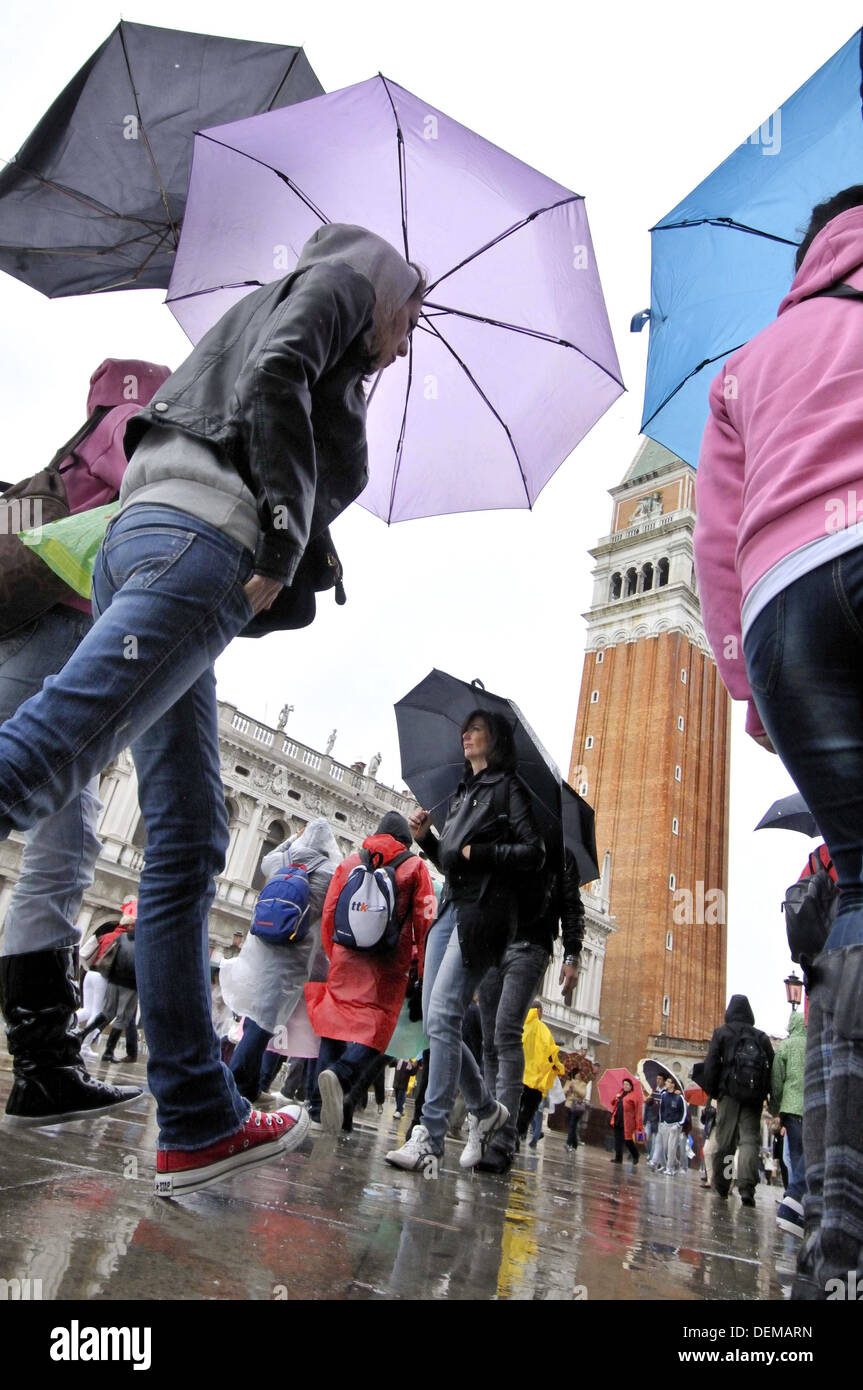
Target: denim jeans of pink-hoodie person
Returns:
[[779, 557], [38, 951]]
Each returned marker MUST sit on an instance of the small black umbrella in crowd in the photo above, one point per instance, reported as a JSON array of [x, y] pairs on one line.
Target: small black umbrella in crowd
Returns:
[[94, 199], [429, 720], [789, 813]]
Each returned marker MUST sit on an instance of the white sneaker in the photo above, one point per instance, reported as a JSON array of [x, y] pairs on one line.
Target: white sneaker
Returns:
[[416, 1153], [332, 1102], [478, 1134]]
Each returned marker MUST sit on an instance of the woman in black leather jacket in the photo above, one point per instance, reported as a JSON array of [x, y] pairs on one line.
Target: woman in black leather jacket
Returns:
[[489, 840]]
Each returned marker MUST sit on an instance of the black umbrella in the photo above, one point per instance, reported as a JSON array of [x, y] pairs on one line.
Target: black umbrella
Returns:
[[579, 833], [429, 719], [94, 199], [790, 813]]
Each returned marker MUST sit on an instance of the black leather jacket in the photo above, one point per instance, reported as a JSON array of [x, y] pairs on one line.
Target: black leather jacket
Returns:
[[276, 385], [491, 813]]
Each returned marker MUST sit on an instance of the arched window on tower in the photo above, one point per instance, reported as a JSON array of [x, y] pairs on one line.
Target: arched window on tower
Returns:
[[615, 587], [662, 573], [631, 582], [646, 577]]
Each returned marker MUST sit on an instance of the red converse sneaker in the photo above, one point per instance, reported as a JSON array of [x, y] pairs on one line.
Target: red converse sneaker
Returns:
[[261, 1137]]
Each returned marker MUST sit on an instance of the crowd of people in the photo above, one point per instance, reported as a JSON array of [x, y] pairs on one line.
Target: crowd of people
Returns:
[[229, 472]]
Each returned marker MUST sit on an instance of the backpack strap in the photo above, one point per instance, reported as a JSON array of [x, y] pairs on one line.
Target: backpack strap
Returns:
[[78, 438], [840, 291]]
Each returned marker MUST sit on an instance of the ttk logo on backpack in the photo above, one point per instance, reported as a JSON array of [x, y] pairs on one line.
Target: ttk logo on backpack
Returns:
[[281, 914], [365, 912]]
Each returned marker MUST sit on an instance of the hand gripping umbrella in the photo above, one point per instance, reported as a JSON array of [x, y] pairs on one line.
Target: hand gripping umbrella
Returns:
[[429, 720], [724, 257], [513, 359], [95, 198]]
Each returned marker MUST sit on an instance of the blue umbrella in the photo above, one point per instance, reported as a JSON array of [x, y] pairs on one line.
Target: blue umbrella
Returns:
[[724, 257]]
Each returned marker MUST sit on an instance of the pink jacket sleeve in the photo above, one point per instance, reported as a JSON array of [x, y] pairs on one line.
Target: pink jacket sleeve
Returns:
[[719, 504]]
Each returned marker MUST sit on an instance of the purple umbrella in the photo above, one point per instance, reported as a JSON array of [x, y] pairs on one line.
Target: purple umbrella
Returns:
[[513, 360]]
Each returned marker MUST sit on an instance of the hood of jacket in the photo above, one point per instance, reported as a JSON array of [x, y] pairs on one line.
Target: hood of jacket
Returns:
[[835, 254], [384, 845], [797, 1025], [315, 846], [739, 1010], [389, 274], [125, 381]]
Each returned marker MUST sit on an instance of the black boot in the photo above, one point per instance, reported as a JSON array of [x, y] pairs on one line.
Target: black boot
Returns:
[[38, 996], [114, 1037]]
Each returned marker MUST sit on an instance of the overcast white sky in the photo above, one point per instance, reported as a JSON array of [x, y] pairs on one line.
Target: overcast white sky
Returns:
[[630, 105]]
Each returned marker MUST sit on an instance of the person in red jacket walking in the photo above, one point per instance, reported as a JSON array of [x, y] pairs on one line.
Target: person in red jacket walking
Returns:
[[626, 1121], [356, 1010]]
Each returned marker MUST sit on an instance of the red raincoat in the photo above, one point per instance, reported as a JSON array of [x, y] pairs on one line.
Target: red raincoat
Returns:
[[363, 994], [633, 1113]]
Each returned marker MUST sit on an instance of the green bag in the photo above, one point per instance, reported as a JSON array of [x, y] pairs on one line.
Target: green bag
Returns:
[[69, 546]]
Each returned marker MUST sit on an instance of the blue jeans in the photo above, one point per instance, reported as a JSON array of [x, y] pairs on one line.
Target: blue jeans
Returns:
[[350, 1062], [168, 589], [247, 1059], [60, 851], [795, 1162], [448, 987], [505, 996]]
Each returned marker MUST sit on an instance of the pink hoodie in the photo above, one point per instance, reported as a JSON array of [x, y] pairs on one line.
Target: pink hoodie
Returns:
[[784, 438], [125, 385]]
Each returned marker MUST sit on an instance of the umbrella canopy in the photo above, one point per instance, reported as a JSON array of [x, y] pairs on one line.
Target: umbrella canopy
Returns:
[[95, 198], [513, 360], [723, 259], [611, 1081], [649, 1070], [789, 813], [429, 720]]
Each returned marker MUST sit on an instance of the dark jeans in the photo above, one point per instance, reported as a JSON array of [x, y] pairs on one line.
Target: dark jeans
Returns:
[[505, 996], [400, 1093], [797, 1174], [247, 1059], [531, 1100], [573, 1121], [804, 659], [351, 1063], [619, 1142]]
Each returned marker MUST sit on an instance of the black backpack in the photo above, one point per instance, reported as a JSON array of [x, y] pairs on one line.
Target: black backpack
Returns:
[[749, 1076], [810, 906]]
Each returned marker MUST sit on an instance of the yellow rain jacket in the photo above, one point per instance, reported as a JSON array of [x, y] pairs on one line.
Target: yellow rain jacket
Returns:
[[541, 1062]]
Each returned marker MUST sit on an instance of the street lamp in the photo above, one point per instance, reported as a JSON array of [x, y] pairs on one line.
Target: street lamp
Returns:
[[793, 989]]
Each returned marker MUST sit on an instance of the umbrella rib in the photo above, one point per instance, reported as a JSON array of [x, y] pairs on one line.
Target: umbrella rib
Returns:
[[403, 192], [162, 190], [401, 442], [82, 198], [680, 385], [528, 332], [574, 198], [275, 95], [723, 222], [473, 381], [202, 135]]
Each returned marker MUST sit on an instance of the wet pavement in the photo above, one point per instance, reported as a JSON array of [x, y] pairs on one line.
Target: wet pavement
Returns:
[[332, 1221]]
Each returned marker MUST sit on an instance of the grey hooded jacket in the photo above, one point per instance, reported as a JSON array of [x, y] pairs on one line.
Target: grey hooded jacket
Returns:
[[274, 391]]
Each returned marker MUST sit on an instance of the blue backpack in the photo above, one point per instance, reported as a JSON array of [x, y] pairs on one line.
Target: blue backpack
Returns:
[[281, 914], [365, 913]]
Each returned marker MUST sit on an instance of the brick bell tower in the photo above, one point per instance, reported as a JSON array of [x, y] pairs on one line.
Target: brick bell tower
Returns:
[[651, 754]]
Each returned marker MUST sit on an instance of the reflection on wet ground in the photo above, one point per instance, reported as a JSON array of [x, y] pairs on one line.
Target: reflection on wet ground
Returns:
[[332, 1221]]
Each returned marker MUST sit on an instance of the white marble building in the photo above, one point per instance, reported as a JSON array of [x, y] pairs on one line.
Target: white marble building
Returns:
[[273, 787]]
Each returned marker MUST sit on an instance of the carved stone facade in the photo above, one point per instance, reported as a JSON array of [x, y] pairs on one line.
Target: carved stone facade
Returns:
[[273, 787]]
